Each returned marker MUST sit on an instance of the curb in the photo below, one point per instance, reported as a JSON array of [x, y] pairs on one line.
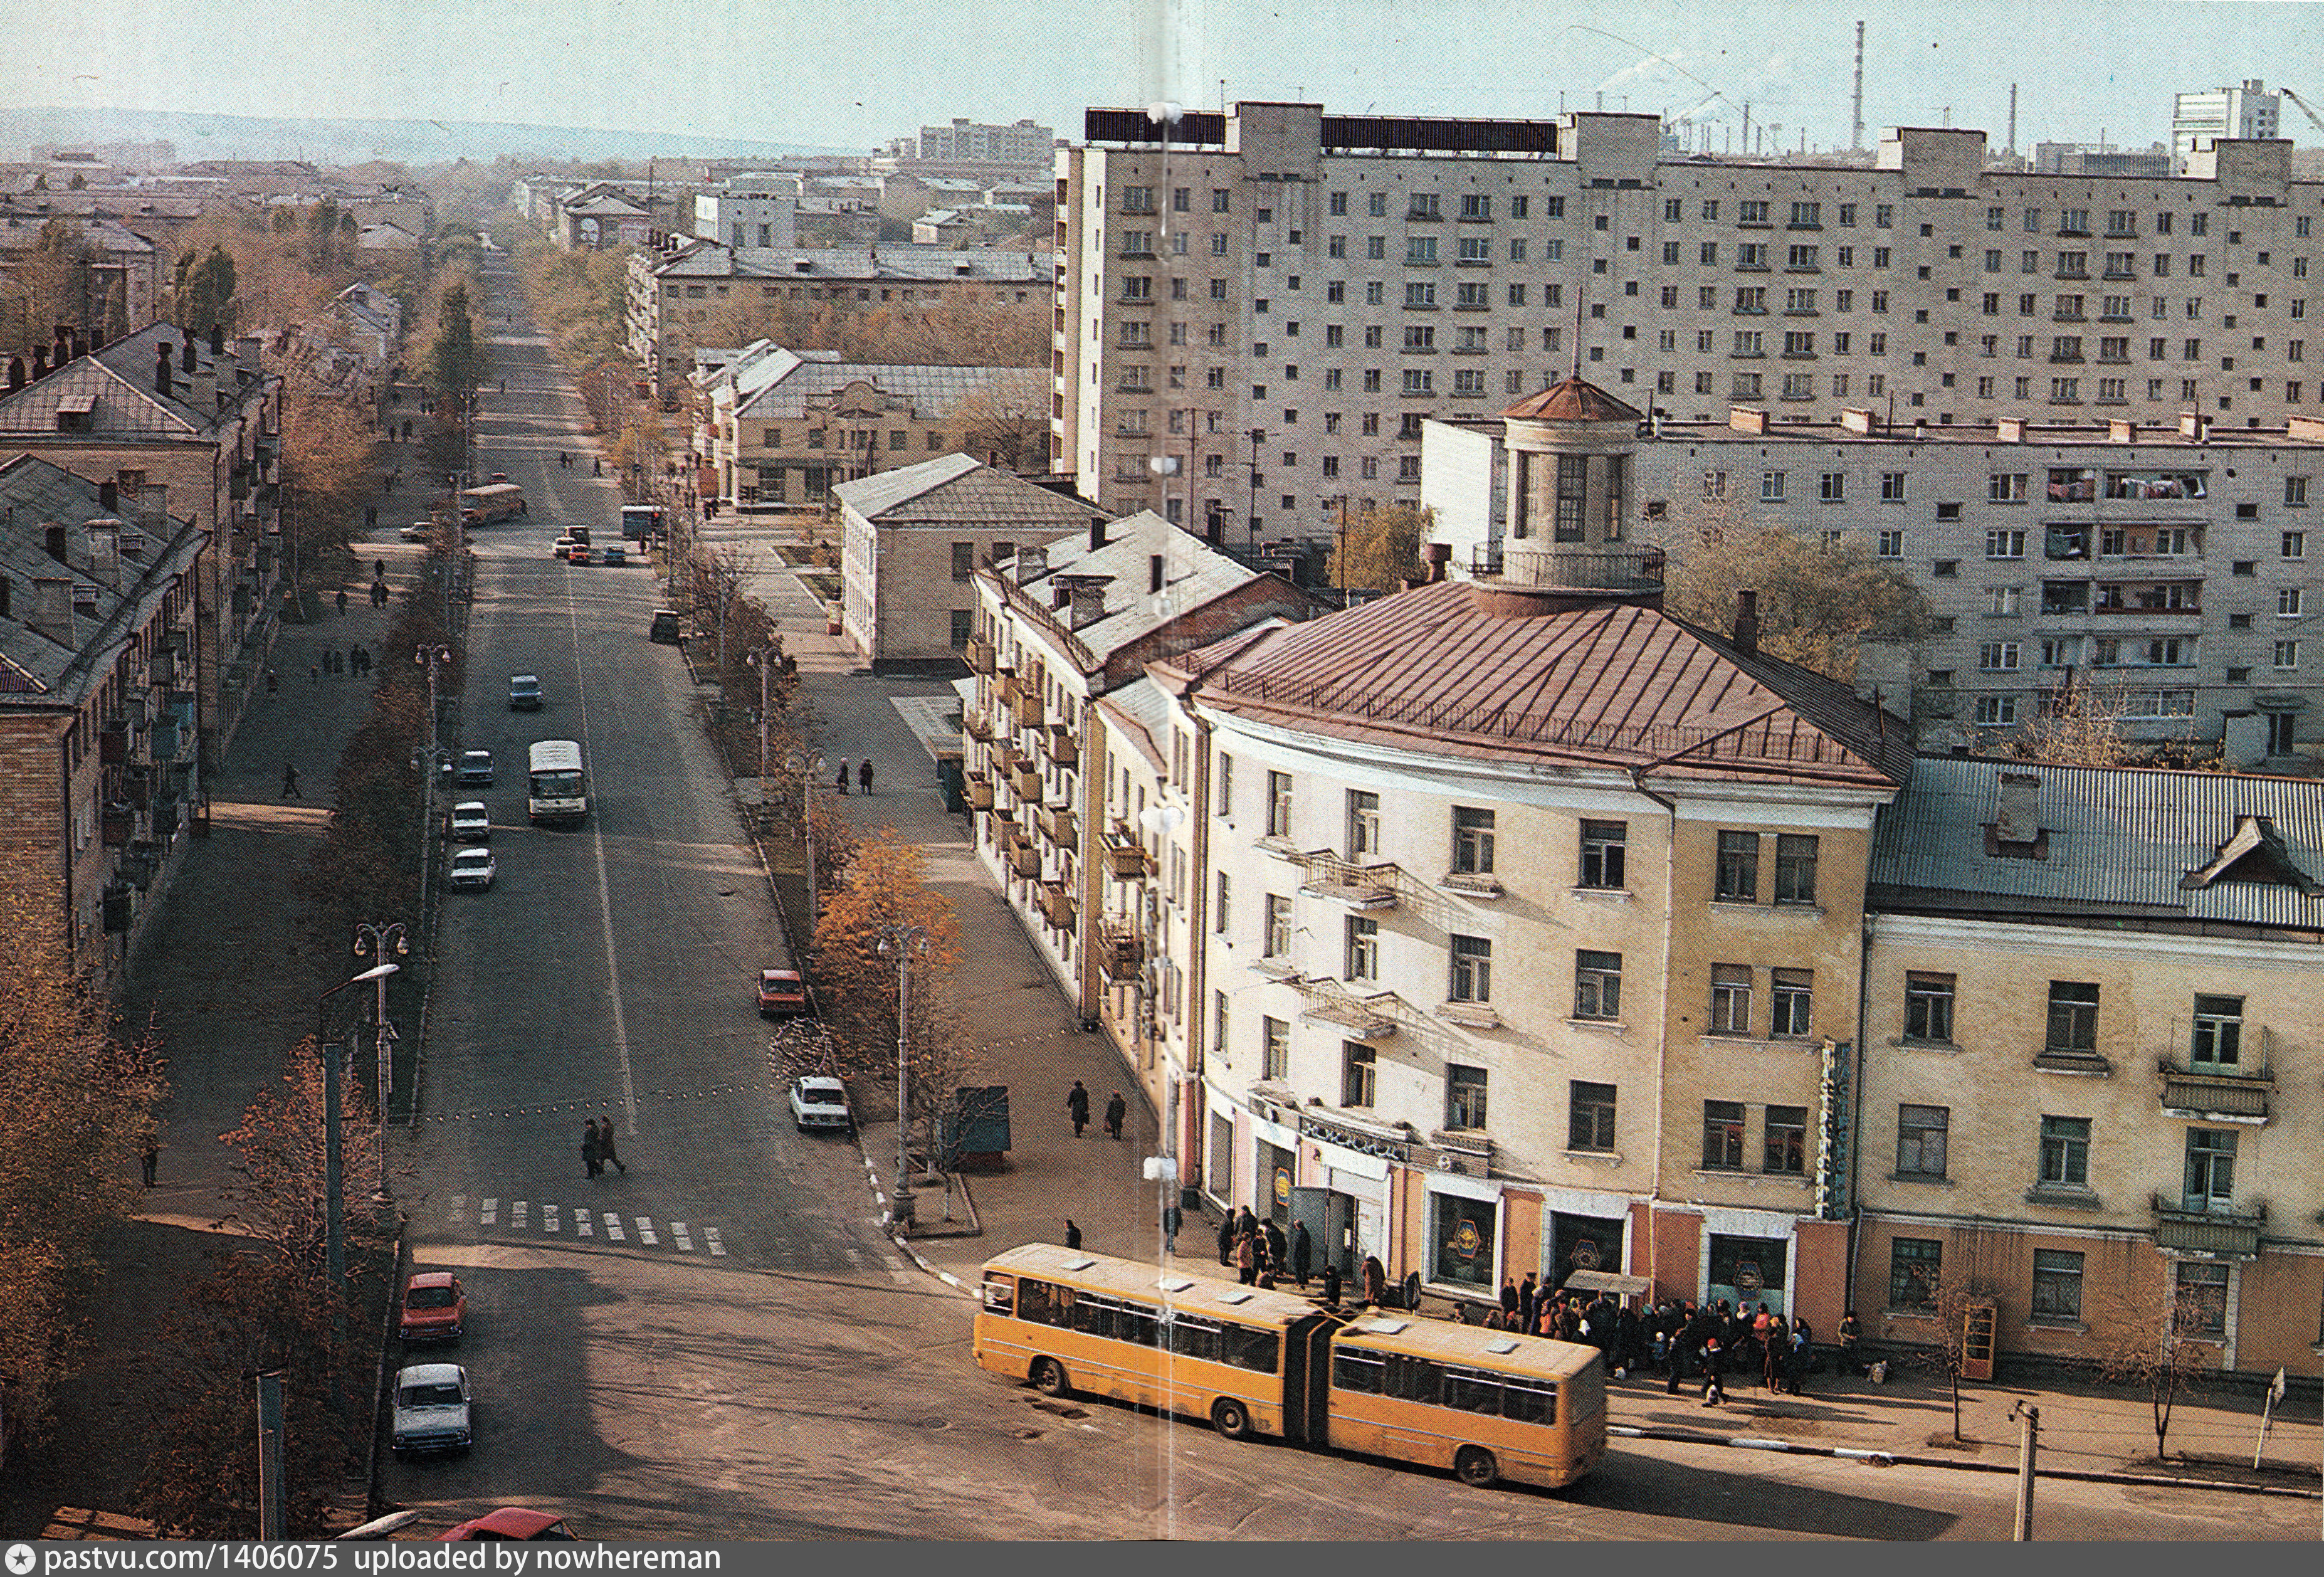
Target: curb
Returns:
[[888, 1227], [1899, 1459]]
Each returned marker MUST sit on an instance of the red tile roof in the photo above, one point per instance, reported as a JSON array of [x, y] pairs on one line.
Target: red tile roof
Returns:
[[1437, 669]]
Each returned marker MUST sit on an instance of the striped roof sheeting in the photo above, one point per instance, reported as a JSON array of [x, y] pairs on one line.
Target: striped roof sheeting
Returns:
[[1442, 667], [2114, 838]]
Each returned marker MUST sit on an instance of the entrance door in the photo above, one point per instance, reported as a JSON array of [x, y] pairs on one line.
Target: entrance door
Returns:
[[2279, 734], [1330, 1218], [1371, 1235]]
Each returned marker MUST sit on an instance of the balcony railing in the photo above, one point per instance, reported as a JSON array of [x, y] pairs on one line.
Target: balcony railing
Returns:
[[1061, 746], [1056, 902], [1327, 1001], [2232, 1234], [1342, 881], [1125, 857], [1121, 951], [980, 656], [1024, 783], [976, 724], [978, 790], [2216, 1092], [1059, 825], [1536, 566], [1024, 860]]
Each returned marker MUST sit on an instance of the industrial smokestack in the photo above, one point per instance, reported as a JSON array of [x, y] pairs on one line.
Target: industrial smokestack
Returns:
[[1747, 620], [1856, 137]]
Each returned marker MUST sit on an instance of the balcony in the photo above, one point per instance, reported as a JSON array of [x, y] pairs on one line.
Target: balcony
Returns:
[[1536, 566], [976, 724], [980, 656], [1056, 902], [1327, 1001], [1126, 859], [1059, 825], [1121, 951], [2227, 1234], [1024, 860], [1359, 886], [1030, 710], [1024, 783], [1061, 746], [2216, 1094], [1469, 1015], [1469, 884], [977, 789]]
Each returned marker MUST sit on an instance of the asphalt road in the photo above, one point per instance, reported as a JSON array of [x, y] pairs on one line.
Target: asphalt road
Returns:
[[719, 1343]]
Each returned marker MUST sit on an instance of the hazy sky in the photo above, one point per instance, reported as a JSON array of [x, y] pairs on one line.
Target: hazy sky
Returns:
[[853, 73]]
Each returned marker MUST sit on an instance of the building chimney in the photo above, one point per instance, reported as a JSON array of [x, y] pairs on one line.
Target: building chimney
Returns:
[[161, 369], [104, 552], [1747, 620], [1440, 554], [1032, 564], [186, 359], [51, 612], [1097, 533], [57, 539], [108, 496], [1088, 601], [217, 339], [39, 362], [2017, 810], [15, 373], [1153, 572]]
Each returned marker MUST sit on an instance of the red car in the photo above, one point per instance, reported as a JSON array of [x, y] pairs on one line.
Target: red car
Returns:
[[510, 1523], [782, 994], [435, 1309]]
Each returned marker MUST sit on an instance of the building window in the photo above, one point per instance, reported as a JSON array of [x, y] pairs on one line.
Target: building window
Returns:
[[1929, 1006], [2210, 1169], [1597, 985], [1358, 1066], [1473, 970], [1730, 999], [2073, 1019], [1590, 1116], [1472, 840], [1722, 1136], [2057, 1286], [1605, 847], [1363, 824], [2219, 1032], [1221, 922], [964, 561], [1275, 1060], [1794, 1000], [2199, 1303], [1916, 1269], [2066, 1152], [1785, 1147], [1464, 1097], [1278, 805], [1738, 867], [1279, 926], [1921, 1141], [1795, 867], [1363, 948]]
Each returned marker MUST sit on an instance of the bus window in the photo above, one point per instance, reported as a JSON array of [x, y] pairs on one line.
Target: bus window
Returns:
[[1529, 1401], [1043, 1303], [1000, 1295], [1140, 1325], [1357, 1371], [1193, 1337], [1260, 1351], [1472, 1392], [1412, 1379], [1094, 1314]]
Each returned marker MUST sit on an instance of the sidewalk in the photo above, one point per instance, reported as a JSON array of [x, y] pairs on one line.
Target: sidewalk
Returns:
[[1034, 1046]]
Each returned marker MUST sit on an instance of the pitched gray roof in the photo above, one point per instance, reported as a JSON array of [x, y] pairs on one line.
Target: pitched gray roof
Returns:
[[2113, 839], [958, 490], [118, 380], [929, 391], [1193, 574], [907, 265]]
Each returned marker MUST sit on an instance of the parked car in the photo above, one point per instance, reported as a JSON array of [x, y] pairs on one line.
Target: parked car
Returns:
[[470, 823], [563, 548], [435, 1309], [417, 532], [432, 1409], [665, 627], [580, 553], [471, 868], [508, 1524], [819, 1101], [477, 768], [615, 556], [782, 994], [524, 692]]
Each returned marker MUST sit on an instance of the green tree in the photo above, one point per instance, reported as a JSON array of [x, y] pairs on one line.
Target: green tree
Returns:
[[456, 362], [57, 276], [1379, 549], [205, 291]]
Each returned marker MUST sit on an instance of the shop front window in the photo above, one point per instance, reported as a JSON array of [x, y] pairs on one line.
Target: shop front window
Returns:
[[1463, 1237]]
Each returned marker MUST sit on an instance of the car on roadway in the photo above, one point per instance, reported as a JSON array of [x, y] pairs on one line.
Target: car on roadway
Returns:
[[471, 868], [510, 1523], [782, 994], [524, 692], [563, 548], [580, 553], [471, 822], [433, 1409], [819, 1101], [665, 627], [476, 768], [616, 557], [419, 531], [435, 1309]]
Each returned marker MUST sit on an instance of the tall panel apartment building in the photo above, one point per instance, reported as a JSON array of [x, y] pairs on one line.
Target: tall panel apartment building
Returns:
[[2199, 120], [1255, 317]]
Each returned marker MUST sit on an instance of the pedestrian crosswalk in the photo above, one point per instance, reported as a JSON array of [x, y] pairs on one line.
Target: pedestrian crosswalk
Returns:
[[547, 1218]]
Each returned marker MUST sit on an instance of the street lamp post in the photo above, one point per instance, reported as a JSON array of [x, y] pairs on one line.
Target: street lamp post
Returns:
[[903, 941], [764, 660], [377, 941], [809, 770], [335, 1248]]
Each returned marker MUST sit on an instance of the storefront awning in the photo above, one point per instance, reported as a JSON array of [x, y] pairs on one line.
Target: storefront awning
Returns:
[[1608, 1281]]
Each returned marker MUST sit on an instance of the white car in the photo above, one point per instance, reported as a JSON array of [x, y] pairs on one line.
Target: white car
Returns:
[[419, 531], [471, 822], [818, 1101], [432, 1411], [471, 868]]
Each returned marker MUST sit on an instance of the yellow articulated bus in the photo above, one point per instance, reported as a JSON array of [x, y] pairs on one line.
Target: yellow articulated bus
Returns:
[[1486, 1405]]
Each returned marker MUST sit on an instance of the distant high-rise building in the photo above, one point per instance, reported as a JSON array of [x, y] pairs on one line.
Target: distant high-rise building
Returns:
[[2197, 119], [1021, 143]]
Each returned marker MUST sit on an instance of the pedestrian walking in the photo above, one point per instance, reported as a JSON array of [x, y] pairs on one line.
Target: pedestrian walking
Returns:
[[863, 775], [1077, 1107], [1851, 1344], [291, 782], [1332, 1284], [1116, 1109], [1073, 1234], [1714, 1383], [1375, 1281], [591, 1165], [842, 774], [1775, 1353], [148, 1155], [314, 673], [273, 681], [1528, 1304], [1302, 1251], [1226, 1241], [1801, 1357], [597, 465], [605, 1151], [342, 602], [1508, 1296], [1173, 1218], [1246, 1257], [1278, 1247]]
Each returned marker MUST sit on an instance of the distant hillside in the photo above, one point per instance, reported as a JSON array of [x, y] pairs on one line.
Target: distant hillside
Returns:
[[355, 142]]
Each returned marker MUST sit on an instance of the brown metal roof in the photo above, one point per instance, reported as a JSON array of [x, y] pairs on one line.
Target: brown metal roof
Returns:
[[1572, 400], [1438, 668]]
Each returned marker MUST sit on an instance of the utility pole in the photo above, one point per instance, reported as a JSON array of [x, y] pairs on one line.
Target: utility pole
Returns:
[[903, 940], [270, 1454], [2029, 1433], [377, 941]]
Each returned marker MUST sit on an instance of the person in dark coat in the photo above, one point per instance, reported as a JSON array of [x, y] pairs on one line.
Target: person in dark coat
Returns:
[[342, 602], [1629, 1342], [1173, 1219], [1226, 1241], [1302, 1251], [1801, 1355], [1714, 1381], [1528, 1305], [605, 1152], [1332, 1284], [1851, 1344], [591, 1163], [863, 775], [1116, 1109], [1508, 1297], [1073, 1234], [1278, 1247], [1077, 1107], [1375, 1281], [291, 782], [842, 774]]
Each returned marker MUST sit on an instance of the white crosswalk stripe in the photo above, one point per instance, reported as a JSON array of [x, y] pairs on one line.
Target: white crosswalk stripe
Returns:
[[583, 1224], [548, 1218], [492, 1214], [717, 1244], [684, 1243], [646, 1231], [614, 1227], [526, 1215]]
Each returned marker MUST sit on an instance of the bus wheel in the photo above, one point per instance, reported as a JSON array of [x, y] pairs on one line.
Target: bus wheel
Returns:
[[1476, 1466], [1049, 1377], [1230, 1418]]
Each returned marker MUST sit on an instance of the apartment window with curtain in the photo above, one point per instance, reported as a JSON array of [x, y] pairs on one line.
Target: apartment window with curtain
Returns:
[[1738, 867], [1597, 985], [1279, 926], [1795, 868], [1363, 948], [1363, 824], [1605, 847], [1920, 1133], [1464, 1097], [1722, 1136], [1473, 970], [1784, 1149], [1359, 1070], [1730, 999], [1472, 840], [1278, 805], [1274, 1056]]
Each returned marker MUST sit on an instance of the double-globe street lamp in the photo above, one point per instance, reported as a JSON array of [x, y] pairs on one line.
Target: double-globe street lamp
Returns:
[[808, 769], [377, 941], [334, 1249], [901, 942]]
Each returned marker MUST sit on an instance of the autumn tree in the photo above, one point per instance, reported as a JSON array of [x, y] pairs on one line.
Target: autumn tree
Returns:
[[280, 1197], [2079, 725], [1818, 602], [80, 1103], [330, 455], [1006, 426], [885, 884], [1949, 1302], [204, 289], [580, 296], [61, 284], [1378, 549], [457, 364], [2167, 1357]]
